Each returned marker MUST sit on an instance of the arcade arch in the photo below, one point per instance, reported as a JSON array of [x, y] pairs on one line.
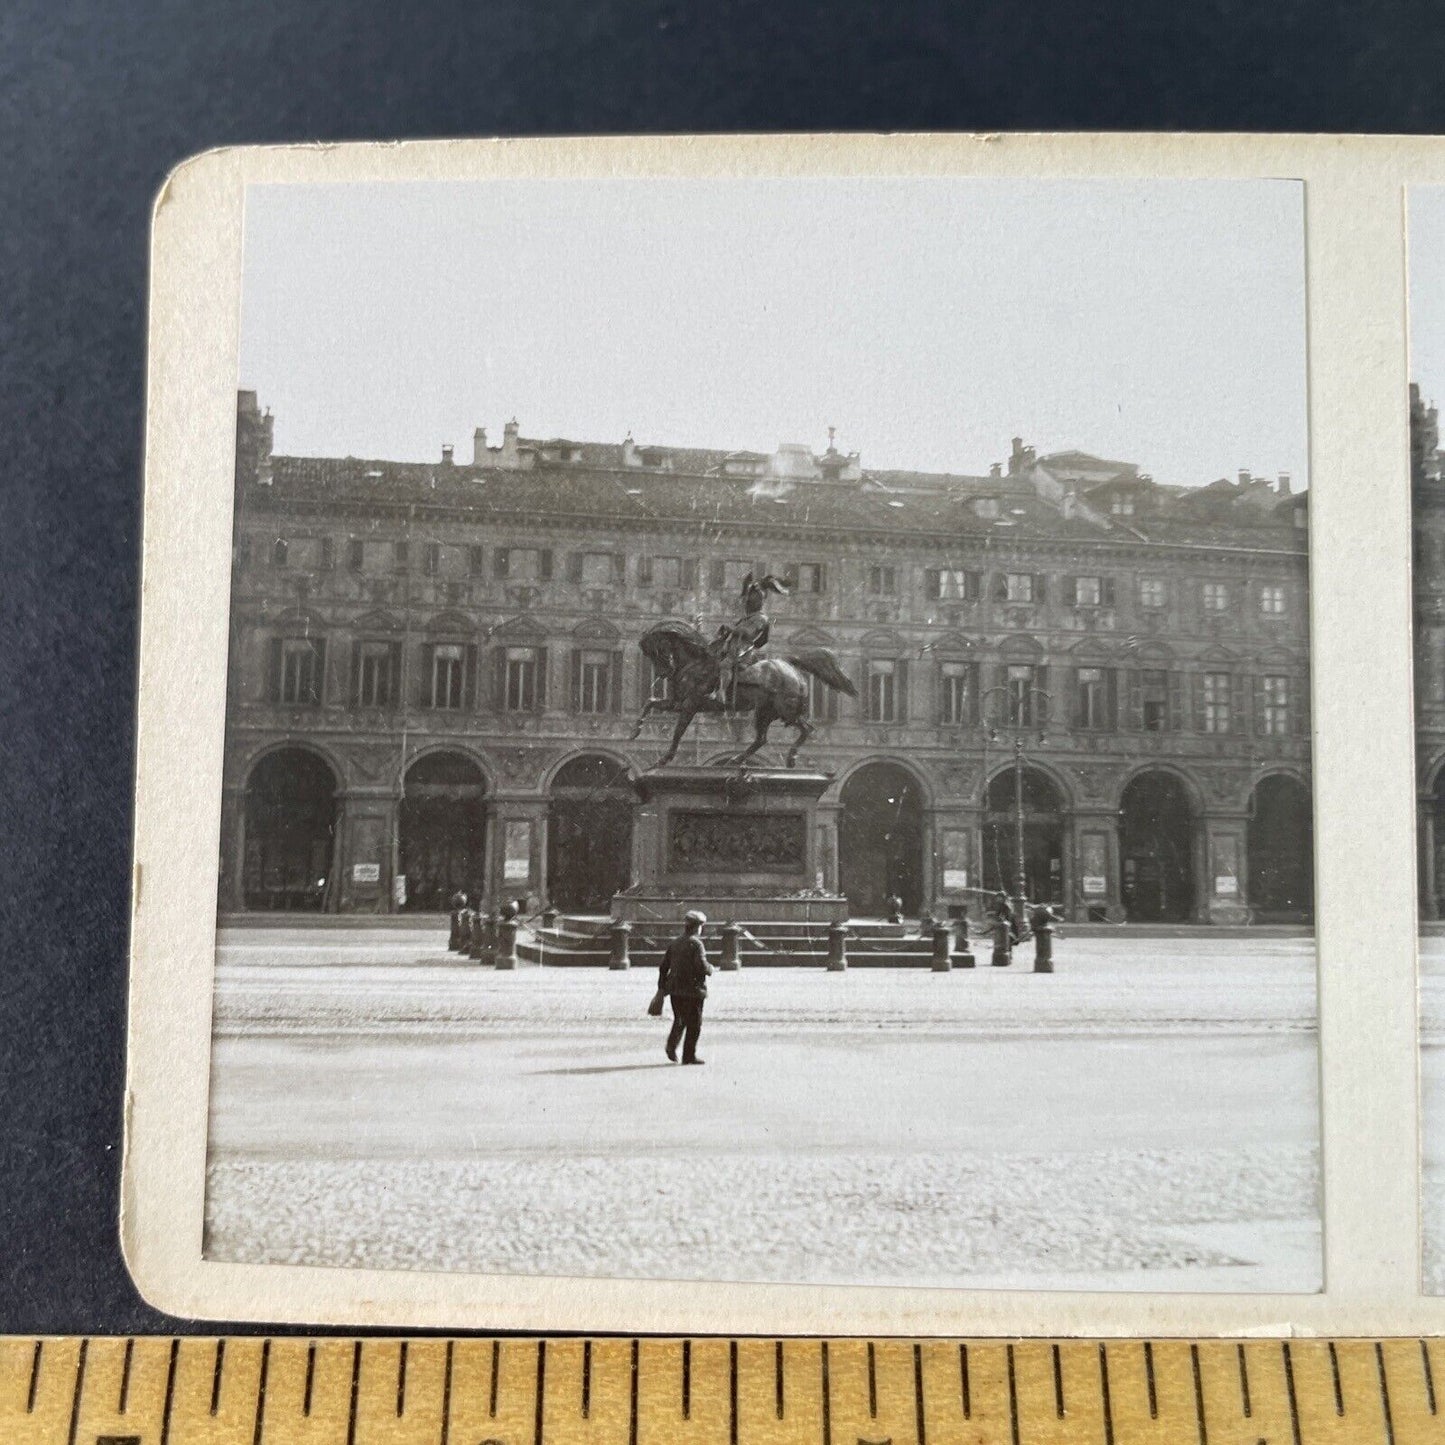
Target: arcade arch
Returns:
[[589, 833], [880, 838], [442, 830], [290, 832]]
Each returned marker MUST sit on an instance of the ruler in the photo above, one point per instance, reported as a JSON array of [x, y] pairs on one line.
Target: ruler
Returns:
[[612, 1391]]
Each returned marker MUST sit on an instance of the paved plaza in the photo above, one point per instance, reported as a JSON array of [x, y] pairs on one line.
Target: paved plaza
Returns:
[[1432, 1108], [1146, 1117]]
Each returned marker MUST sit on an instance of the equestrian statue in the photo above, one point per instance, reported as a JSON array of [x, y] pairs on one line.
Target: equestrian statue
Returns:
[[731, 674]]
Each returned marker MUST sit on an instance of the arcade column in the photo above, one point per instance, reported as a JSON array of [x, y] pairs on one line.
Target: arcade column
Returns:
[[1224, 862], [956, 847], [366, 822], [517, 865], [1096, 871]]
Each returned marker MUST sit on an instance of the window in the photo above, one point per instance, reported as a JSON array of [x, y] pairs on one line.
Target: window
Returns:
[[986, 508], [665, 572], [1023, 696], [1088, 591], [1092, 698], [594, 681], [596, 569], [279, 552], [1122, 507], [882, 690], [957, 691], [1216, 702], [733, 573], [401, 555], [952, 584], [1274, 717], [1154, 700], [1271, 601], [433, 558], [448, 672], [476, 560], [356, 555], [1216, 596], [521, 694], [522, 564], [300, 680], [1018, 587], [806, 577], [375, 683], [1152, 592], [822, 701], [882, 581]]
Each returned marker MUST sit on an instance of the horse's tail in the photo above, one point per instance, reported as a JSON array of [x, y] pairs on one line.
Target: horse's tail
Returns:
[[820, 663]]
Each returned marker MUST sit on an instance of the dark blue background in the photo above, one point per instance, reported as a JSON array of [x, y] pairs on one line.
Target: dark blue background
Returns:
[[99, 101]]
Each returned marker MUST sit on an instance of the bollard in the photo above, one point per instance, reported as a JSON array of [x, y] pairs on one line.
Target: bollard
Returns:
[[475, 921], [507, 943], [486, 933], [837, 948], [962, 951], [730, 961], [1043, 947], [549, 917], [1003, 945], [620, 959], [942, 948], [454, 938], [925, 925]]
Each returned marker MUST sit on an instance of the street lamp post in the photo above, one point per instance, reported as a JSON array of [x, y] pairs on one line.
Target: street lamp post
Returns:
[[1024, 708]]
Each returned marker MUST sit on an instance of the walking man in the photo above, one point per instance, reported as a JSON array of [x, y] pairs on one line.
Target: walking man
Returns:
[[683, 977]]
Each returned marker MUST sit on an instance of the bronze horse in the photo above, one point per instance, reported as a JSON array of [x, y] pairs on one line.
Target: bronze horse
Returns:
[[773, 689]]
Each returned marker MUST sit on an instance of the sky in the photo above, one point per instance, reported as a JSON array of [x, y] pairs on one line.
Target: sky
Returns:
[[928, 320], [1425, 216]]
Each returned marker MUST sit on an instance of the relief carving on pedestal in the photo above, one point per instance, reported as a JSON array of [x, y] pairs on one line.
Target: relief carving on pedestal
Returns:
[[733, 843]]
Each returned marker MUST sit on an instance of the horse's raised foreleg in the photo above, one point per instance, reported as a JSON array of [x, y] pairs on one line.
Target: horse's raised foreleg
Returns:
[[683, 718]]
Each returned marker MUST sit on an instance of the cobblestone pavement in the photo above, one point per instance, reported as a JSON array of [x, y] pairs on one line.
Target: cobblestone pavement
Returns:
[[1146, 1117]]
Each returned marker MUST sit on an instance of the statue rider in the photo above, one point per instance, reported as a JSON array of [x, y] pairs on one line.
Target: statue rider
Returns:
[[744, 639]]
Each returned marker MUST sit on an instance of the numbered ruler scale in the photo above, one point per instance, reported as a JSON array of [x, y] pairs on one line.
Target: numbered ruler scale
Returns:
[[244, 1391]]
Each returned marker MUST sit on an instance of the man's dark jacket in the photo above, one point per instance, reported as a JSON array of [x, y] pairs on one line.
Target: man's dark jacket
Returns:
[[684, 968]]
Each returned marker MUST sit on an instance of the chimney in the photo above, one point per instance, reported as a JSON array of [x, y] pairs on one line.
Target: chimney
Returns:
[[1244, 478], [996, 470], [1030, 456], [1284, 484], [479, 447], [447, 455], [629, 451], [1016, 455], [509, 456]]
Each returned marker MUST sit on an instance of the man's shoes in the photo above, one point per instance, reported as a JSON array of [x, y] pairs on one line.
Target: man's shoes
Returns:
[[694, 1061], [671, 1054]]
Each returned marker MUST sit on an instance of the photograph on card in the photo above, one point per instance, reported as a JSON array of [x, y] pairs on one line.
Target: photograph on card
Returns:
[[768, 735]]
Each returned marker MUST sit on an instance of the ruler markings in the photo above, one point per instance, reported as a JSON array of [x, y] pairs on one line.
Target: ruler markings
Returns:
[[497, 1375], [1384, 1393], [216, 1376], [447, 1393], [260, 1391], [1244, 1383], [919, 1415], [778, 1398], [124, 1402], [1104, 1388], [1198, 1395], [310, 1378], [35, 1376], [1058, 1383], [586, 1379], [963, 1389], [732, 1392], [170, 1399], [687, 1379], [401, 1381], [355, 1392], [1335, 1379], [827, 1403], [1013, 1397], [1289, 1387], [632, 1410], [540, 1413], [1429, 1375], [1149, 1380], [79, 1384]]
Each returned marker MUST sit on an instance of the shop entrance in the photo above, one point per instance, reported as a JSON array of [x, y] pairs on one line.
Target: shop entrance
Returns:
[[1043, 850], [589, 835], [1280, 842], [290, 832], [1156, 845], [880, 840], [443, 825]]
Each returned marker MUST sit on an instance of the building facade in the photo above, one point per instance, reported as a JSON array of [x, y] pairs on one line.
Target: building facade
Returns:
[[435, 679]]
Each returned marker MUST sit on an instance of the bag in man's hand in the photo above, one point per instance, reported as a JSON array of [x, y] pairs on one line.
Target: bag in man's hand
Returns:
[[655, 1007]]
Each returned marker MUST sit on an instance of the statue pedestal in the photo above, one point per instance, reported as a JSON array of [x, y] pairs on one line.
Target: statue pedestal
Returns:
[[741, 845]]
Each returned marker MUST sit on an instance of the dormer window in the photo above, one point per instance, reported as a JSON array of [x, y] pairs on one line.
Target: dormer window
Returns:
[[986, 508], [1121, 507]]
